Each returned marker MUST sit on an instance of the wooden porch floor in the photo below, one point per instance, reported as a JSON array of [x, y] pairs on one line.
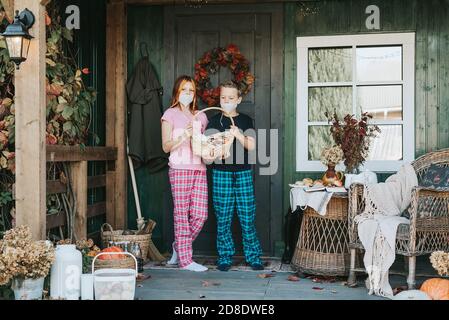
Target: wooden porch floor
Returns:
[[241, 283]]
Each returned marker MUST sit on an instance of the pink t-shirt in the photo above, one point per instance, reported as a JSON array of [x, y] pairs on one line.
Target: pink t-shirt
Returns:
[[182, 157]]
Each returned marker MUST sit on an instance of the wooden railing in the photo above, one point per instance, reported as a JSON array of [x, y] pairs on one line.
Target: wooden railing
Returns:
[[77, 159]]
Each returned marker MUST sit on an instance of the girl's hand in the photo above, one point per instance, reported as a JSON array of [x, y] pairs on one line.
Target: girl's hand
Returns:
[[188, 132]]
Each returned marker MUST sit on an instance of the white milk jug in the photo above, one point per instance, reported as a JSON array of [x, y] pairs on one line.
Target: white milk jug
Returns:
[[66, 273]]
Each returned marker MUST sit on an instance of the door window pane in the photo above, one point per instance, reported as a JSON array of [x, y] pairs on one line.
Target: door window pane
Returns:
[[379, 63], [319, 138], [382, 102], [330, 65], [388, 144], [330, 99]]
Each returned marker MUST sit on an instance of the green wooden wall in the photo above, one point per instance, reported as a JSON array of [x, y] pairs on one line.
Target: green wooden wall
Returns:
[[429, 19], [145, 25]]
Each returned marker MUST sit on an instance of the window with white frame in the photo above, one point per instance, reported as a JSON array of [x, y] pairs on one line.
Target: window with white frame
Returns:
[[353, 74]]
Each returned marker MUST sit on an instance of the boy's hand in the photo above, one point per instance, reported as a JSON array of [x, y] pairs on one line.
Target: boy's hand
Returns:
[[235, 131], [208, 159]]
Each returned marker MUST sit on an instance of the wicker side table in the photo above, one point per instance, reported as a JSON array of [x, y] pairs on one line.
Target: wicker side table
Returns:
[[323, 244]]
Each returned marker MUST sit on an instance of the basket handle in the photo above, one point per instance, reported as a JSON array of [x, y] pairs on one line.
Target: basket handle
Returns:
[[116, 253], [108, 225], [214, 108]]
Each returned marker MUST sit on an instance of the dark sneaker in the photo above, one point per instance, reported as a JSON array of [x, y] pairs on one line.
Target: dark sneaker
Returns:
[[224, 267], [257, 266]]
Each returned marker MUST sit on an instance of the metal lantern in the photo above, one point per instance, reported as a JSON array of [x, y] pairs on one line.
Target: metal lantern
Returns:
[[17, 37]]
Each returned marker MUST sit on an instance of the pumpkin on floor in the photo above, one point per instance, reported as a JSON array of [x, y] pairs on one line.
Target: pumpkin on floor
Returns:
[[436, 289], [112, 256]]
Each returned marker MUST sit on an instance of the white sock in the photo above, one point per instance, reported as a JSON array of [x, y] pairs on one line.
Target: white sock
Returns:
[[195, 267], [174, 257]]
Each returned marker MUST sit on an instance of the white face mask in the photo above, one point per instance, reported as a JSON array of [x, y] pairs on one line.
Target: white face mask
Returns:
[[229, 106], [185, 99]]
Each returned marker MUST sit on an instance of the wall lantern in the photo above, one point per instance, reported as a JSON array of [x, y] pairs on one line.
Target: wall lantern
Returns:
[[17, 37]]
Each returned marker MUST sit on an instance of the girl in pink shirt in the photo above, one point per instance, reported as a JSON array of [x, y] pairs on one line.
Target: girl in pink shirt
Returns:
[[187, 172]]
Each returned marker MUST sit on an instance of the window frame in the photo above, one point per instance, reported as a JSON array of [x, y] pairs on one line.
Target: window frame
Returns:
[[407, 41]]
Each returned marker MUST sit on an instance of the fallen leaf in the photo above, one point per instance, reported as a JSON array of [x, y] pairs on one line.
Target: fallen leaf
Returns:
[[265, 275], [142, 277], [292, 278], [317, 288], [208, 284], [323, 279]]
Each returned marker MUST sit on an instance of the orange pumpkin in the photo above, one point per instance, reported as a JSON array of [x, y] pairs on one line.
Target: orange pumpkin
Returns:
[[111, 256], [436, 289]]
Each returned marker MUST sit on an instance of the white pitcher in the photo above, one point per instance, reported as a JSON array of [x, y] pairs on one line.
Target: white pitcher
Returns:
[[365, 177], [65, 282]]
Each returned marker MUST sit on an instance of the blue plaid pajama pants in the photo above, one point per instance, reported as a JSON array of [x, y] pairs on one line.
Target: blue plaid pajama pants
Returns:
[[230, 188]]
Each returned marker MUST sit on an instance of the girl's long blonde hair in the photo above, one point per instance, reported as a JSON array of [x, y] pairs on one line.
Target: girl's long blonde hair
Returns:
[[179, 83]]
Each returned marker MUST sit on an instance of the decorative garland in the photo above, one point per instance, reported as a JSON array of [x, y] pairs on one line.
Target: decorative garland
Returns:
[[211, 62]]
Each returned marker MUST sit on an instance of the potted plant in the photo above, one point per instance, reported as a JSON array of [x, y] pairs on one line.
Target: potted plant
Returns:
[[330, 157], [24, 263], [354, 137]]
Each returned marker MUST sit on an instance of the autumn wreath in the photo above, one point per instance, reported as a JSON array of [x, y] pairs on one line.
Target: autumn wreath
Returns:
[[211, 62]]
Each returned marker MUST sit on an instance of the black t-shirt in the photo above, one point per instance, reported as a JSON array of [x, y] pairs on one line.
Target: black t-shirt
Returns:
[[235, 162]]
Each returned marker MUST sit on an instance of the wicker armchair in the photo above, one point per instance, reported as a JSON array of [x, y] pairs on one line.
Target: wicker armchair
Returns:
[[429, 220]]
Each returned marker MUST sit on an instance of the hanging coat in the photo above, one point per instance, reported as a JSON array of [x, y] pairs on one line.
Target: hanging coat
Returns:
[[144, 118]]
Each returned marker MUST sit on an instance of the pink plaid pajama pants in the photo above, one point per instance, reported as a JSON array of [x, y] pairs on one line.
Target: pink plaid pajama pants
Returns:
[[189, 190]]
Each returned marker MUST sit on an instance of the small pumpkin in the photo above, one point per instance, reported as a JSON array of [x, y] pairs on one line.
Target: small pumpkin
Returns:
[[436, 289], [112, 256]]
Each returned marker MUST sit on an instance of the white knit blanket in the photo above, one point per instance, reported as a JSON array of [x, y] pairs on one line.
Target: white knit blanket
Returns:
[[378, 224]]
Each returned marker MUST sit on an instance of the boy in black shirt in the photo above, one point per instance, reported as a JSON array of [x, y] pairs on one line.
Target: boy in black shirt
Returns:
[[233, 184]]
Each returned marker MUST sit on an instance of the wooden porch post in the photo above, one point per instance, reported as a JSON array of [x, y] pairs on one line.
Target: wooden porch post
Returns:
[[78, 173], [116, 180], [30, 128]]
